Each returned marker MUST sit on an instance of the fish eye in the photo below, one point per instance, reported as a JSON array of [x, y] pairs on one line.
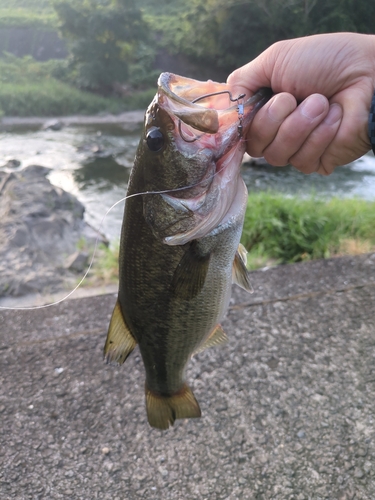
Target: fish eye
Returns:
[[154, 139]]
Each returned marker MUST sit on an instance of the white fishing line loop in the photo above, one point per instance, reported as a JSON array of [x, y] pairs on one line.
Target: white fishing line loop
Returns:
[[30, 308], [55, 303]]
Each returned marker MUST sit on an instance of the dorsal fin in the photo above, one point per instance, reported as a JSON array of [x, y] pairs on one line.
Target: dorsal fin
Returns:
[[120, 341], [240, 274]]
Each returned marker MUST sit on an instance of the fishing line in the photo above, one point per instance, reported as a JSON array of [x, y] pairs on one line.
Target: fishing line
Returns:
[[240, 112], [55, 303]]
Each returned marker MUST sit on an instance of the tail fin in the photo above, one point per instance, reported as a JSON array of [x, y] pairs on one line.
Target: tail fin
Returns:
[[162, 411]]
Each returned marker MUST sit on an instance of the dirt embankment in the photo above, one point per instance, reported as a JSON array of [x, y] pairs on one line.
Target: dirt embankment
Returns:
[[126, 119]]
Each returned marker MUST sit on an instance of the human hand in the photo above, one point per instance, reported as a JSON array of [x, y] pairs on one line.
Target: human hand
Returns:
[[318, 118]]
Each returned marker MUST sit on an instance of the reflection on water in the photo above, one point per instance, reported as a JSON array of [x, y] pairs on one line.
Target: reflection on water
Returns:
[[91, 163], [355, 180], [101, 174], [94, 164]]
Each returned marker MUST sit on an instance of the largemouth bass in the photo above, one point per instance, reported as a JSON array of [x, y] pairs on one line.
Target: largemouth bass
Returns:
[[180, 237]]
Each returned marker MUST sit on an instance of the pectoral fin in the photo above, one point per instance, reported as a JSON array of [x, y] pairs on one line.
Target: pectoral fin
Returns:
[[217, 336], [162, 411], [240, 275], [120, 341], [190, 274]]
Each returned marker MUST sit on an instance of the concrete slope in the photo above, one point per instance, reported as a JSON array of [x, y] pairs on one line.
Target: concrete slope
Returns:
[[288, 405]]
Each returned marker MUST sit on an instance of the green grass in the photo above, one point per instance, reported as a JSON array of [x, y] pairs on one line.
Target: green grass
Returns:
[[28, 13], [31, 88], [280, 230], [51, 98], [27, 19], [105, 266], [54, 98]]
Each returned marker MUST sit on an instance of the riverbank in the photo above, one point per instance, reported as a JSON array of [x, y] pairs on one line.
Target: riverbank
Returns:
[[127, 119]]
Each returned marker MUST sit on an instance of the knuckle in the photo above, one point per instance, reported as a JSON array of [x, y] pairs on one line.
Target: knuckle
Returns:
[[305, 166], [275, 159]]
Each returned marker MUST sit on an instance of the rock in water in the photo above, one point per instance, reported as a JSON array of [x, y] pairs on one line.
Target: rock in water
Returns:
[[40, 225], [53, 125], [11, 164]]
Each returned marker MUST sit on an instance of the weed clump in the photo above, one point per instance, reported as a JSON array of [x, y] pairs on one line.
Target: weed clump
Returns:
[[279, 229]]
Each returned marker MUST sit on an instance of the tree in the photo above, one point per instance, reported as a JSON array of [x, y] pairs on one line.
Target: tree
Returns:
[[251, 26], [103, 37], [231, 32]]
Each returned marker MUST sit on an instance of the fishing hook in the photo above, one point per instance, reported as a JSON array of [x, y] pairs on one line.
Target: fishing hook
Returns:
[[240, 111]]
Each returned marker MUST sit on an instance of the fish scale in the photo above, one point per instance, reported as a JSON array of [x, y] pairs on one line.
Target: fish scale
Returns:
[[177, 261]]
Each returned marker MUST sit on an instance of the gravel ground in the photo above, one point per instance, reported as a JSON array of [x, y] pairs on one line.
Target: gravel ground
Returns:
[[287, 405]]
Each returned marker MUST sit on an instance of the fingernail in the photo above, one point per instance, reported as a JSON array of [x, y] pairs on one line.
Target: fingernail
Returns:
[[313, 106], [334, 114]]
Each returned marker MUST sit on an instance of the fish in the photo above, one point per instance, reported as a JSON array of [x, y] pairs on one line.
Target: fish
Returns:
[[180, 240]]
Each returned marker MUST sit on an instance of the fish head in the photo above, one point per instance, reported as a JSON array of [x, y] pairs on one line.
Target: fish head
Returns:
[[191, 151]]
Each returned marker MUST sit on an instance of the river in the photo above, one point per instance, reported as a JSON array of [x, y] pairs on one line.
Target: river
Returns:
[[93, 163]]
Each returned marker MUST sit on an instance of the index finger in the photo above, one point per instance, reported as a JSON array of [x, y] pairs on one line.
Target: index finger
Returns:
[[249, 78]]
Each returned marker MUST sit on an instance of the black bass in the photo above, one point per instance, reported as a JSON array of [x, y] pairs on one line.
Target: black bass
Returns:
[[179, 249]]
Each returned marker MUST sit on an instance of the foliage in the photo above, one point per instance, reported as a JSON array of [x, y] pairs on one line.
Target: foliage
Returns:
[[141, 72], [103, 36], [231, 32], [282, 230], [105, 268], [250, 27], [34, 5], [115, 41], [25, 18], [53, 98], [38, 14], [29, 88], [190, 28]]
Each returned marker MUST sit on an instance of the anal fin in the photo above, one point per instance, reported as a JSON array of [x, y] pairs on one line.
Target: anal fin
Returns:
[[240, 274], [162, 411], [120, 341], [216, 337]]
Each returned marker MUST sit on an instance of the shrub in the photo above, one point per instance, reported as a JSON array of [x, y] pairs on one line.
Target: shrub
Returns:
[[282, 229]]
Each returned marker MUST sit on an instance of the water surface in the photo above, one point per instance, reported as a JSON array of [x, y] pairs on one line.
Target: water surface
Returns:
[[94, 164]]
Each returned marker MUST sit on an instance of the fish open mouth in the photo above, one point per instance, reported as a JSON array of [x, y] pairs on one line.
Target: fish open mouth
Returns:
[[210, 123]]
